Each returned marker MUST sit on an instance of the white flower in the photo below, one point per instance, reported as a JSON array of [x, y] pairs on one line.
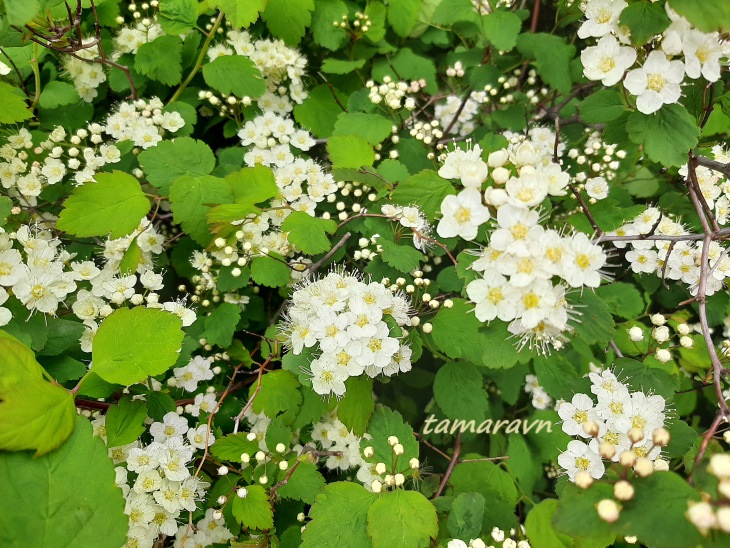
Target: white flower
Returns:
[[607, 61], [172, 425], [494, 298], [702, 53], [529, 189], [576, 413], [327, 378], [602, 16], [597, 188], [463, 214], [585, 259], [580, 457], [4, 69], [656, 83]]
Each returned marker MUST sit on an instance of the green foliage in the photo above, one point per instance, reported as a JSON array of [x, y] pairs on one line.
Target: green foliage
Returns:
[[133, 344], [192, 198], [552, 57], [279, 393], [406, 518], [706, 16], [339, 516], [288, 19], [178, 16], [304, 484], [340, 66], [667, 135], [356, 407], [161, 60], [270, 271], [465, 519], [402, 15], [232, 446], [425, 189], [241, 13], [13, 107], [53, 500], [254, 510], [162, 165], [385, 423], [601, 106], [221, 324], [502, 28], [371, 127], [459, 392], [114, 205], [540, 530], [308, 233], [644, 21], [402, 257], [232, 74], [34, 414], [125, 422], [350, 151]]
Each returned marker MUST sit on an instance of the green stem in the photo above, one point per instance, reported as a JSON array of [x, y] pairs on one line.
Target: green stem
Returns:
[[37, 76], [201, 58]]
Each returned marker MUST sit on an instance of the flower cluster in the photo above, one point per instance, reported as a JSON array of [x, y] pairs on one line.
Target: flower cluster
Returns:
[[142, 122], [714, 514], [657, 81], [622, 426], [464, 124], [499, 539], [522, 258], [341, 444], [540, 398], [85, 73], [352, 328], [410, 217], [157, 482], [376, 475], [394, 94]]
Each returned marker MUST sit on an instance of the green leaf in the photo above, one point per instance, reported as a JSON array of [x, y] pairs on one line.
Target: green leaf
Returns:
[[19, 363], [339, 517], [402, 518], [125, 422], [459, 392], [64, 369], [6, 207], [402, 15], [595, 324], [644, 20], [341, 66], [161, 60], [623, 299], [58, 94], [113, 206], [349, 151], [406, 65], [13, 107], [706, 16], [162, 165], [501, 29], [601, 106], [643, 378], [449, 12], [279, 393], [426, 190], [385, 423], [177, 16], [288, 19], [552, 57], [133, 344], [221, 324], [20, 12], [456, 332], [270, 271], [465, 518], [324, 32], [576, 514], [540, 530], [253, 185], [356, 407], [319, 111], [231, 447], [558, 377], [403, 257], [64, 498], [191, 199], [234, 74], [35, 414], [307, 233], [667, 135], [304, 484], [241, 13], [159, 404], [254, 511]]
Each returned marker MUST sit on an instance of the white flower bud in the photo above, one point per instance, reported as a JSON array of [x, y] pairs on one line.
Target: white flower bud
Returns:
[[223, 470], [414, 464], [643, 467], [583, 479], [636, 434], [280, 448], [590, 428], [222, 500], [400, 479], [283, 465], [376, 486], [427, 327], [380, 468], [723, 518], [661, 465], [720, 465], [608, 510], [661, 333], [398, 449], [636, 334], [260, 456], [658, 319], [263, 480], [392, 440], [683, 329], [628, 459], [607, 450], [242, 493], [661, 437], [723, 488], [245, 458], [623, 490], [686, 341], [368, 452], [663, 355], [701, 515], [300, 517]]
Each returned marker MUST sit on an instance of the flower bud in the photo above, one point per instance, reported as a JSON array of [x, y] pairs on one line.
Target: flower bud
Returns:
[[583, 479], [723, 518], [368, 452], [623, 490], [661, 437], [661, 333], [400, 479], [663, 355], [628, 458], [686, 342], [720, 465], [398, 449], [380, 468], [683, 329], [242, 493], [723, 488], [607, 450], [636, 435], [608, 510], [590, 428], [643, 467], [701, 515], [414, 464], [636, 334], [376, 486], [658, 319]]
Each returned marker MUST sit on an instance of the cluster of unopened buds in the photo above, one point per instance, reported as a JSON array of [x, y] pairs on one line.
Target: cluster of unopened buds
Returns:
[[393, 476], [714, 514], [361, 23], [661, 334], [393, 94], [428, 132]]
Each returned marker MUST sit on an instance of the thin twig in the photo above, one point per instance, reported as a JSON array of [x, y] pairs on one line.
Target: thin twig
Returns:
[[315, 266], [450, 469], [334, 93], [714, 165]]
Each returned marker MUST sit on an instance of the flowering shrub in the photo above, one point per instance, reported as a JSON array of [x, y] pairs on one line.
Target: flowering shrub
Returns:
[[364, 273]]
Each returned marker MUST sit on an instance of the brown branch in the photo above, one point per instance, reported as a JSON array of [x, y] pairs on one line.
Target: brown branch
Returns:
[[714, 165], [586, 210], [450, 469], [17, 71], [334, 93], [315, 266], [458, 112]]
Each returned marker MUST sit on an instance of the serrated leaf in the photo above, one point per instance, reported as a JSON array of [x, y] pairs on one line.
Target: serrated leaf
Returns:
[[341, 66], [254, 511], [425, 189], [601, 106], [221, 324], [270, 271], [234, 74], [459, 392], [162, 165], [384, 423], [307, 233], [288, 19], [114, 205], [552, 57], [231, 447], [20, 12], [349, 151], [279, 393], [324, 33], [449, 12], [402, 15], [540, 530], [58, 94], [161, 60], [371, 127], [319, 111], [706, 16], [54, 500], [304, 484], [357, 405], [667, 135], [465, 518], [339, 517], [241, 13], [133, 344], [191, 198], [177, 16], [623, 299], [13, 107], [402, 518], [403, 257], [501, 29], [125, 422], [644, 20]]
